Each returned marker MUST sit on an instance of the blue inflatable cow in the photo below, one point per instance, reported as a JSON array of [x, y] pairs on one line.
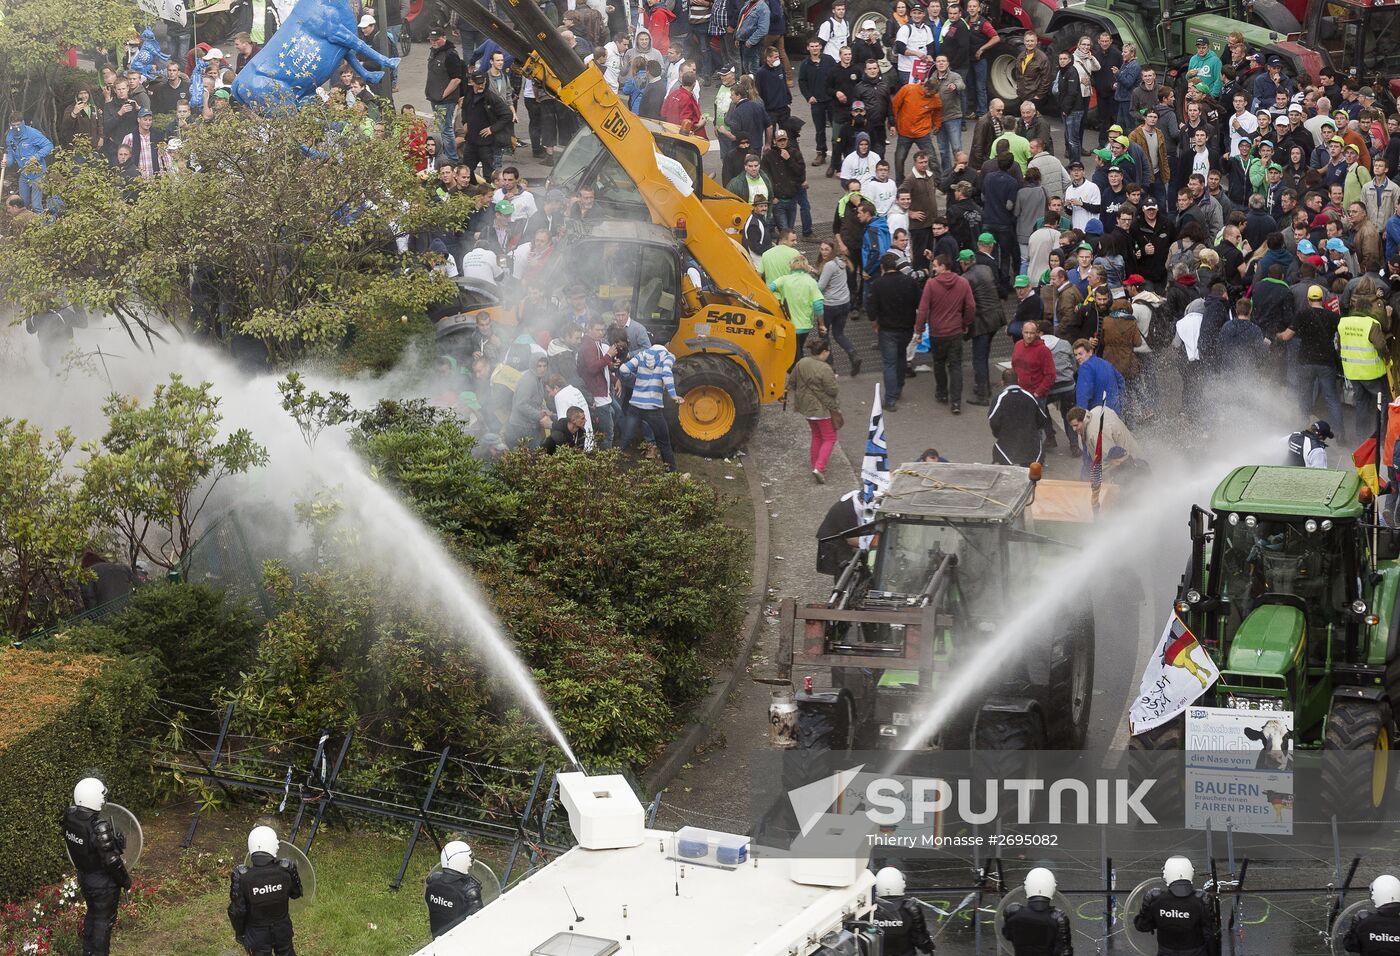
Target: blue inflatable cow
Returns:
[[304, 53], [149, 59]]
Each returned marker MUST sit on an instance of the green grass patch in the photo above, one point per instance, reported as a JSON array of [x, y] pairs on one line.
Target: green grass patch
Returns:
[[355, 912]]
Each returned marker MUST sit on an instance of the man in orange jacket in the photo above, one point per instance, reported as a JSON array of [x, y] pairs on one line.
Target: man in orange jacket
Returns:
[[917, 110]]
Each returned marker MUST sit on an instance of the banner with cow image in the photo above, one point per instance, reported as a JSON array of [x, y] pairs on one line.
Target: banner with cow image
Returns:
[[1177, 674], [1239, 770]]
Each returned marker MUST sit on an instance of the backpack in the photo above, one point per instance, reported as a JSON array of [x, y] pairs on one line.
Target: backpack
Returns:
[[1161, 328]]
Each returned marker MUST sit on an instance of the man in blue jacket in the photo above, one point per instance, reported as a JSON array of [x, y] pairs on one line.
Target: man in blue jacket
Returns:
[[1098, 382], [26, 151]]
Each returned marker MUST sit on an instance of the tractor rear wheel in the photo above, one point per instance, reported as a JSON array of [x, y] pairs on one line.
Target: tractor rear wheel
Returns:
[[1154, 755], [1357, 726], [1009, 730], [1072, 687], [721, 406], [1001, 72]]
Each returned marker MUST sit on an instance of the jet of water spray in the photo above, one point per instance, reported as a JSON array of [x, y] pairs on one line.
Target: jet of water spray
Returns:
[[1139, 525]]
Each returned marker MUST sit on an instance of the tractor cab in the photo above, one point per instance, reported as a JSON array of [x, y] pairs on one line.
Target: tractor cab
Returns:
[[1361, 37], [954, 548]]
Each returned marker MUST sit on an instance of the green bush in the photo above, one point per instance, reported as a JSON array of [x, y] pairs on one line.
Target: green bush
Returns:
[[65, 717], [193, 639]]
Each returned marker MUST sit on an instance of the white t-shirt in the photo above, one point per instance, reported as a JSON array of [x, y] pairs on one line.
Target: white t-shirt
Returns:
[[835, 34], [897, 219], [916, 39], [1243, 126], [569, 396], [524, 204], [1086, 192], [882, 195], [856, 166], [482, 264]]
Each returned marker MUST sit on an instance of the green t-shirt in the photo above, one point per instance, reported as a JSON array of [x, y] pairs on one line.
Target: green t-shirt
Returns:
[[1020, 148], [800, 293], [777, 262]]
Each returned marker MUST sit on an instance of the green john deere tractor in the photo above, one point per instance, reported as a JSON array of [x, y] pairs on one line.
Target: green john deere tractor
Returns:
[[1287, 593]]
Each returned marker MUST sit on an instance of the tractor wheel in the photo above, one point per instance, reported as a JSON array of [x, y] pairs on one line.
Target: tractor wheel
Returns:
[[1072, 687], [1001, 72], [1009, 730], [721, 406], [1154, 755], [1357, 726]]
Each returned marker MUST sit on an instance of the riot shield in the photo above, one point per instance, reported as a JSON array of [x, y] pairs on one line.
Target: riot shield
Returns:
[[1018, 895], [1343, 923], [128, 830], [490, 886], [1144, 943], [307, 872]]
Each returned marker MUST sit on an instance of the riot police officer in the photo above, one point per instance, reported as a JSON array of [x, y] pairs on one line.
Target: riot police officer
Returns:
[[258, 895], [1377, 932], [1181, 916], [1038, 927], [96, 849], [899, 916], [452, 893]]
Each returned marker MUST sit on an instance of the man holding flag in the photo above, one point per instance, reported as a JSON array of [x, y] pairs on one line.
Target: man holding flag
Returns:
[[855, 509]]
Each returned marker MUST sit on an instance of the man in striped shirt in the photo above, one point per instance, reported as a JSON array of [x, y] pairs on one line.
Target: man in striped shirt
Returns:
[[650, 370]]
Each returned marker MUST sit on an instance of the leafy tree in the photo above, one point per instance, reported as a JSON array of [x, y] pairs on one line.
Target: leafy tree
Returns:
[[313, 411], [33, 36], [282, 229], [157, 465], [44, 525]]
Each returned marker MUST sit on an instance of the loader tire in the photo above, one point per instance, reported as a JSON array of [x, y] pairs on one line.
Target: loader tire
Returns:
[[1157, 754], [1072, 687], [721, 406]]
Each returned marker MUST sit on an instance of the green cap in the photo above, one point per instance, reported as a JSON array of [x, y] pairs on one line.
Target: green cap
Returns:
[[223, 93], [1275, 166], [505, 207], [1084, 245], [1021, 282], [1202, 87], [986, 239], [966, 255], [1104, 154]]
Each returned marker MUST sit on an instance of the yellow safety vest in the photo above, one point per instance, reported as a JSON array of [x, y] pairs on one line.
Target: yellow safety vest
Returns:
[[1360, 360]]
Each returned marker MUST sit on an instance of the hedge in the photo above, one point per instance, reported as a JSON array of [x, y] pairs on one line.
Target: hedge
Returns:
[[62, 718]]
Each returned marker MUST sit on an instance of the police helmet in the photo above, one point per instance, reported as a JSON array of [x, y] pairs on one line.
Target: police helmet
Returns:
[[263, 840], [1040, 882], [90, 793], [889, 882], [1178, 868], [1385, 889], [457, 856]]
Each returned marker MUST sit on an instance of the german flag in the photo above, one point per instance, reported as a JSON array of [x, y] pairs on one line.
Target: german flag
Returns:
[[1364, 458], [1177, 653]]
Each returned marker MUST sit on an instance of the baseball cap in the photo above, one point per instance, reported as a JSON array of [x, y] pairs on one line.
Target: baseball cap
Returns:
[[1114, 169], [1338, 140], [505, 208], [141, 113], [1275, 61], [1135, 279], [1149, 203], [1021, 282], [1328, 121], [1200, 40], [1321, 427], [435, 34], [858, 105], [367, 21], [986, 239], [1336, 245], [1275, 168], [1116, 127], [1353, 148], [1306, 248], [214, 54], [1282, 120], [1320, 221], [1085, 245], [1315, 293], [1076, 164], [1123, 141], [223, 93], [1366, 91], [1267, 142], [1295, 107], [1093, 228], [1202, 87], [966, 255], [174, 143], [725, 70], [477, 76], [1103, 154]]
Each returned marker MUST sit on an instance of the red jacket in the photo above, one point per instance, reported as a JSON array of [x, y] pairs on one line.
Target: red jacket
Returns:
[[591, 362], [680, 106], [1035, 367], [946, 305]]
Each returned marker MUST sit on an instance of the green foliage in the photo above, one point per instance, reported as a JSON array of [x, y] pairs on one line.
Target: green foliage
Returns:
[[312, 411], [299, 238], [157, 466], [80, 734], [193, 640], [43, 527]]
